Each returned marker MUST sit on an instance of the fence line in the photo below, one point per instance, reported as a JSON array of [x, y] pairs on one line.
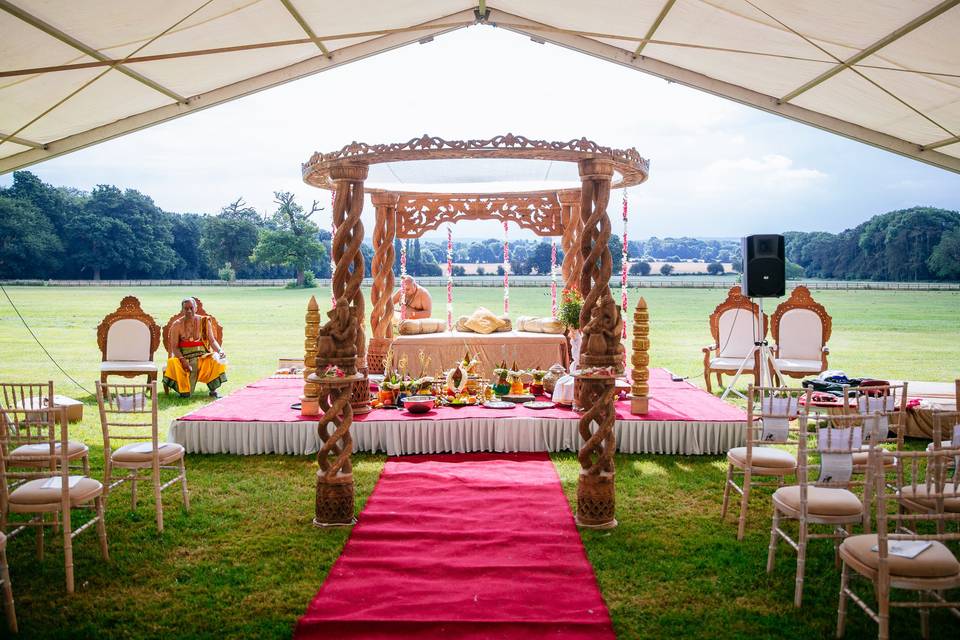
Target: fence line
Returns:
[[641, 282]]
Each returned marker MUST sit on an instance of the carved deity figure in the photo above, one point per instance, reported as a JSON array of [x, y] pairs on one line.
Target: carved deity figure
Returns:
[[604, 328], [338, 336]]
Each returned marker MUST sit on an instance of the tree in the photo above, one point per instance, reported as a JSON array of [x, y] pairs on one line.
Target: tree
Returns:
[[459, 270], [715, 269], [28, 242], [540, 258], [793, 271], [100, 239], [736, 265], [187, 229], [640, 269], [294, 242], [666, 269], [944, 262], [616, 253], [232, 235]]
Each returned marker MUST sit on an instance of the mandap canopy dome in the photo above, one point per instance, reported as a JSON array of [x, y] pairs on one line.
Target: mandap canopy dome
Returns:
[[884, 72]]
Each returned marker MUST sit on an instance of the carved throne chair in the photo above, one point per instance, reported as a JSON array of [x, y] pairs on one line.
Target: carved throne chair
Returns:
[[800, 328], [217, 328], [128, 338], [734, 327]]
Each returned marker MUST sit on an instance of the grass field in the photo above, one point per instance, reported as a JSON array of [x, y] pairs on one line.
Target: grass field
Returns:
[[245, 561]]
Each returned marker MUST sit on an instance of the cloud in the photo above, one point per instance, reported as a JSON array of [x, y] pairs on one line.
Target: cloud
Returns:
[[771, 173]]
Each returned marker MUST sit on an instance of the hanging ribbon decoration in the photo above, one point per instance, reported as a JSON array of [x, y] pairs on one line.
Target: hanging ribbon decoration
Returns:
[[449, 278], [553, 276], [623, 266], [333, 232], [506, 271], [403, 274]]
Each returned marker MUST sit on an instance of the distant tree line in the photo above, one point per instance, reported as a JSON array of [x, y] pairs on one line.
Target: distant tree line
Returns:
[[49, 232]]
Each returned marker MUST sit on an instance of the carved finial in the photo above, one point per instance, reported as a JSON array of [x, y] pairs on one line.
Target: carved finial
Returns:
[[640, 359], [312, 305]]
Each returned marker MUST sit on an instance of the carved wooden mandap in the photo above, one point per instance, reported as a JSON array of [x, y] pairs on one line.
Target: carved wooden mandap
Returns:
[[577, 213]]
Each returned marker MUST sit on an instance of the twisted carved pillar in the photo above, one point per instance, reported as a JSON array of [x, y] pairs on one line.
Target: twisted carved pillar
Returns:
[[570, 220], [334, 503], [381, 317], [601, 324], [348, 179]]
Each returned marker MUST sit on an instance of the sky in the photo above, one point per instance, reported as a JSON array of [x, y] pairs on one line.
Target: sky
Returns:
[[717, 168]]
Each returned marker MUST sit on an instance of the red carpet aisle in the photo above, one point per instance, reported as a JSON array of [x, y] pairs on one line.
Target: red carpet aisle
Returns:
[[462, 546]]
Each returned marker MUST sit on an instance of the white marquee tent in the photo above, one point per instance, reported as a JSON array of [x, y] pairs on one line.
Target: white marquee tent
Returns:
[[885, 72]]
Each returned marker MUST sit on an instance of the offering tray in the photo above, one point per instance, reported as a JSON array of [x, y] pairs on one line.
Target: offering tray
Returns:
[[519, 398], [494, 404]]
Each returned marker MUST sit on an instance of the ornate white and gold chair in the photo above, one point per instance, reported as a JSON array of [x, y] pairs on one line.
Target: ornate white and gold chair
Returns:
[[800, 328], [734, 327], [128, 338]]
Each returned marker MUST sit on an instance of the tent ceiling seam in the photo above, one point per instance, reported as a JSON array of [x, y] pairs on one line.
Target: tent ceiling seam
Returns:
[[656, 25], [292, 10], [22, 141], [69, 40], [941, 143], [876, 46]]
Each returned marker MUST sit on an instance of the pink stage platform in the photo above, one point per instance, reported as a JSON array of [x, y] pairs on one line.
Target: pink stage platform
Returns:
[[256, 419]]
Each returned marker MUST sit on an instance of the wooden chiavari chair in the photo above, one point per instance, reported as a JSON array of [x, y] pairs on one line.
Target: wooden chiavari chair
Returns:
[[37, 491], [769, 411], [934, 570], [125, 410], [826, 501], [946, 437], [8, 607], [39, 395]]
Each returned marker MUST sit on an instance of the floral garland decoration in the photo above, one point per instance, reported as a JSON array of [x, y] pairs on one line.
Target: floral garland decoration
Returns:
[[623, 267], [449, 278], [506, 270], [333, 233], [403, 274], [553, 277]]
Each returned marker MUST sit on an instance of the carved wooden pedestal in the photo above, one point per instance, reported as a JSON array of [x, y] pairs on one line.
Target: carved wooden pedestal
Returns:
[[640, 358], [596, 503], [334, 505]]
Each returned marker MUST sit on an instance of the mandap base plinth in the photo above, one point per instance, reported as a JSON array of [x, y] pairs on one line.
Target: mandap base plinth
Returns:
[[334, 501], [596, 502], [639, 405]]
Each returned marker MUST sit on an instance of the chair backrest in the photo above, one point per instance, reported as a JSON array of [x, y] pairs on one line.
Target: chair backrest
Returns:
[[800, 326], [26, 395], [44, 430], [125, 410], [215, 325], [888, 402], [734, 326], [128, 334], [925, 473], [946, 435], [770, 410], [834, 440]]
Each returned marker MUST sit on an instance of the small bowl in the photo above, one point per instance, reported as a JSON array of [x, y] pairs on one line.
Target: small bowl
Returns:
[[419, 404]]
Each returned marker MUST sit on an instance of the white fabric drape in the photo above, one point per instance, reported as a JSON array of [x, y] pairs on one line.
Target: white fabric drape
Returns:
[[456, 436]]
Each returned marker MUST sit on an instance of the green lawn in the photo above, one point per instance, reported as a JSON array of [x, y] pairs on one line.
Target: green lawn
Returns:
[[245, 561]]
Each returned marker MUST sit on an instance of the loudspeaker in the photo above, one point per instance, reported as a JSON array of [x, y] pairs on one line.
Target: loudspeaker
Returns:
[[764, 273]]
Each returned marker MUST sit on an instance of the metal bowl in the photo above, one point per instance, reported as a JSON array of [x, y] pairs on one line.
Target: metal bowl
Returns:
[[419, 404]]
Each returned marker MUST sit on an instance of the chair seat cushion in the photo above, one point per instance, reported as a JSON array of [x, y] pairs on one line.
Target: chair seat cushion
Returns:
[[128, 453], [860, 458], [821, 501], [731, 364], [34, 493], [128, 365], [797, 365], [765, 457], [934, 562], [918, 493], [38, 452]]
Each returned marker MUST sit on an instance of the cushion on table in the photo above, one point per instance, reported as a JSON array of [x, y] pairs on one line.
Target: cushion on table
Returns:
[[821, 501], [539, 325], [423, 325], [934, 562], [461, 324], [483, 321]]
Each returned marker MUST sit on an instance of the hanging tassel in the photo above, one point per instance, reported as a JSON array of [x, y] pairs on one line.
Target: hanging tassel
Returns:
[[449, 278], [506, 271], [553, 276]]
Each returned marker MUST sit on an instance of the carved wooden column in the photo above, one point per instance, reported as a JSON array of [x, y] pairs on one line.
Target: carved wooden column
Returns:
[[570, 220], [381, 317], [640, 358], [348, 274], [601, 353]]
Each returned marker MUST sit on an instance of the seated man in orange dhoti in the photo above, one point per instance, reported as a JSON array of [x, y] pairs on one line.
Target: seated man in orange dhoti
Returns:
[[416, 300], [195, 355]]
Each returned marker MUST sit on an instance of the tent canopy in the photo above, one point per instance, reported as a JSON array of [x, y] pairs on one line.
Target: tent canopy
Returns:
[[885, 72]]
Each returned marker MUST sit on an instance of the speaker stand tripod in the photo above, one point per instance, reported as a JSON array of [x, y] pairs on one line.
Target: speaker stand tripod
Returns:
[[761, 347]]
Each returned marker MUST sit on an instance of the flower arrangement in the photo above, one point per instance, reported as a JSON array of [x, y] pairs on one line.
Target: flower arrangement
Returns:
[[331, 371], [571, 302]]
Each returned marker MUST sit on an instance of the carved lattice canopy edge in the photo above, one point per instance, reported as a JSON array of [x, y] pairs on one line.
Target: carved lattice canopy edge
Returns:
[[217, 328], [735, 300], [417, 214], [129, 309], [631, 166]]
